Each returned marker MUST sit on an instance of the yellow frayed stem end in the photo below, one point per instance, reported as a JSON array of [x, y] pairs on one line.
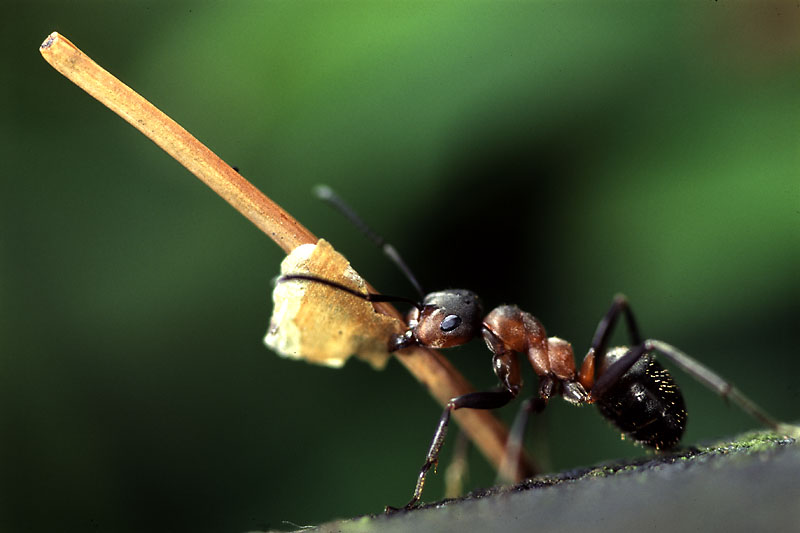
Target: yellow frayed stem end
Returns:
[[321, 324]]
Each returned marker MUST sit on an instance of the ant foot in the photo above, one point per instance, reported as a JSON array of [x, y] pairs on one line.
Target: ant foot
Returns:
[[389, 510]]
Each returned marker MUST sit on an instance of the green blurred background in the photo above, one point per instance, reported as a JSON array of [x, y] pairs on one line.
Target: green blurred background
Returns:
[[544, 154]]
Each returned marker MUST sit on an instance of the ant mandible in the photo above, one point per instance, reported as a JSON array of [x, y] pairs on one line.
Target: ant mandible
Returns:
[[628, 385]]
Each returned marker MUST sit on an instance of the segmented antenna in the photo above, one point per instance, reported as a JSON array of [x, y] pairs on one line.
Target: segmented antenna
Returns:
[[325, 193], [370, 297]]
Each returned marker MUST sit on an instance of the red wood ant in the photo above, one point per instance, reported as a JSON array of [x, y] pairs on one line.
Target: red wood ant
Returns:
[[628, 385]]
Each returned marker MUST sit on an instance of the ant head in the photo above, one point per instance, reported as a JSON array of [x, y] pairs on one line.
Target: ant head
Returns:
[[449, 318]]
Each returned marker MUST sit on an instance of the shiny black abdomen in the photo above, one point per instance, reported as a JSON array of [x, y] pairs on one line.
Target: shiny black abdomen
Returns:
[[646, 405]]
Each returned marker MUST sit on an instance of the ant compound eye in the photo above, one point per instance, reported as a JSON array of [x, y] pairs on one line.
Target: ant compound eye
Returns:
[[450, 323]]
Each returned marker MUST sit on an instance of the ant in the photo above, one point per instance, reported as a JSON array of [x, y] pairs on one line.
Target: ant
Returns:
[[628, 385]]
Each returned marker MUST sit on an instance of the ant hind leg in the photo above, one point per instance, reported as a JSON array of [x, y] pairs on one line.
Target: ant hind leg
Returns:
[[721, 386], [698, 371], [605, 328]]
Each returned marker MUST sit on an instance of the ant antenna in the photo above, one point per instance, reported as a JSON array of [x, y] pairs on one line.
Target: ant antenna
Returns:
[[370, 297], [325, 193]]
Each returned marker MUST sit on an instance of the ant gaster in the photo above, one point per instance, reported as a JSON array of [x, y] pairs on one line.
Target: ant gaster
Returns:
[[630, 388]]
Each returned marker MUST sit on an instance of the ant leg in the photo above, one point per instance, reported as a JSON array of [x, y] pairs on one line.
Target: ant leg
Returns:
[[508, 471], [618, 368], [606, 327], [473, 400], [509, 467], [720, 385], [700, 372], [602, 336]]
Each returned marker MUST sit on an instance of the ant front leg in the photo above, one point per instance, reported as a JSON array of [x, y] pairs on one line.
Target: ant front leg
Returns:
[[506, 367], [473, 400]]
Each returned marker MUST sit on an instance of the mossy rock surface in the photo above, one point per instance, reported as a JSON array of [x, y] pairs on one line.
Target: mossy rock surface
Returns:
[[751, 483]]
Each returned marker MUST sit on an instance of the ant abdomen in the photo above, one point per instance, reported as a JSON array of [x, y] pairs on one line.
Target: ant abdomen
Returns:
[[644, 403]]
